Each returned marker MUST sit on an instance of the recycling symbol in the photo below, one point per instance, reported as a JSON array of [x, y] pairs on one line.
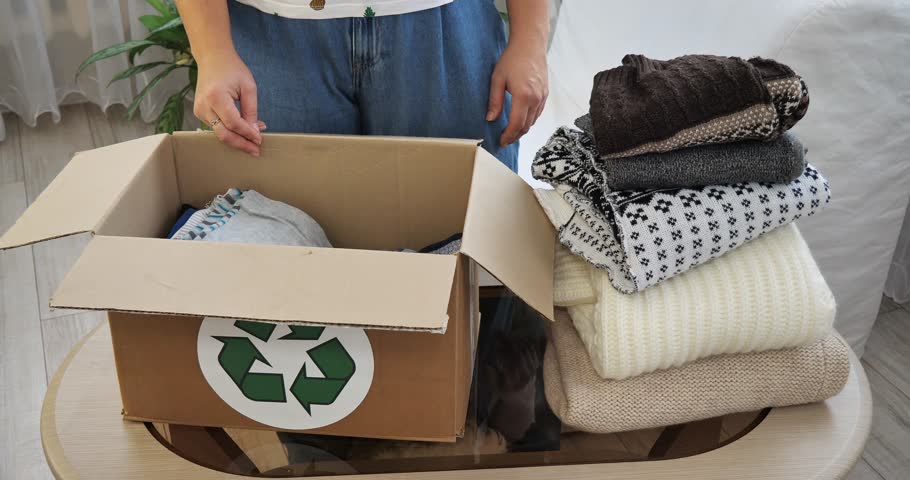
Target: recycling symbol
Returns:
[[287, 376]]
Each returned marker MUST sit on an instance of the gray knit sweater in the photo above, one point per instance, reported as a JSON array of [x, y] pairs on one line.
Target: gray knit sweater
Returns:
[[779, 161]]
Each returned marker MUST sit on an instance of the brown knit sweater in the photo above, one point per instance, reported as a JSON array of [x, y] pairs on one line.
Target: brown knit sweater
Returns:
[[647, 100]]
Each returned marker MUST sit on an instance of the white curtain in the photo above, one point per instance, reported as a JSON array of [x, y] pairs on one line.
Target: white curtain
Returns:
[[42, 43], [898, 285]]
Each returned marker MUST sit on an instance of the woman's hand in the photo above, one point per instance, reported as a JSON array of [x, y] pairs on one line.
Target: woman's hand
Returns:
[[522, 71], [224, 79]]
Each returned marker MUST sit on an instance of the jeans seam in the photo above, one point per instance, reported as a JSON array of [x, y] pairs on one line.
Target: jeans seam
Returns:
[[353, 57]]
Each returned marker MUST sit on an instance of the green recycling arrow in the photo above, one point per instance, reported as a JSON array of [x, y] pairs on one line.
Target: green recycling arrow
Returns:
[[336, 366], [260, 330], [237, 357], [302, 332]]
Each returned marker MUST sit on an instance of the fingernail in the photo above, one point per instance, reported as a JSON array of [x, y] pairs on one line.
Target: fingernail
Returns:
[[490, 116], [255, 154]]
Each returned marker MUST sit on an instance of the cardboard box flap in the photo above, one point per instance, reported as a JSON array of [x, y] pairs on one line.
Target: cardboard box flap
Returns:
[[508, 233], [82, 195], [371, 289]]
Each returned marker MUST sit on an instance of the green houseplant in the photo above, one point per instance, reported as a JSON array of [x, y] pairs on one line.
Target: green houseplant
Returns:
[[165, 30]]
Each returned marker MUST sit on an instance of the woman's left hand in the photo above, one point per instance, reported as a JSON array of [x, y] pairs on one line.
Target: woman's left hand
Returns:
[[522, 71]]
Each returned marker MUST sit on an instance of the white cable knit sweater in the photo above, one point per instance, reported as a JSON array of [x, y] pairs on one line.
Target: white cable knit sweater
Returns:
[[767, 294]]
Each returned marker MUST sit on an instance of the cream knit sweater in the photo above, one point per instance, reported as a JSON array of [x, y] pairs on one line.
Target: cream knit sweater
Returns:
[[765, 295]]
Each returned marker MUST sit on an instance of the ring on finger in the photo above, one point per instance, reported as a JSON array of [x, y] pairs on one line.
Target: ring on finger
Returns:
[[214, 123]]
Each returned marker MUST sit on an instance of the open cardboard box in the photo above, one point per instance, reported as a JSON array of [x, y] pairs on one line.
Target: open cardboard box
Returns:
[[372, 195]]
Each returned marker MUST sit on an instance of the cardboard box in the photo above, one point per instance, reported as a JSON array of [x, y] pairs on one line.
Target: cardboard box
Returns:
[[382, 340]]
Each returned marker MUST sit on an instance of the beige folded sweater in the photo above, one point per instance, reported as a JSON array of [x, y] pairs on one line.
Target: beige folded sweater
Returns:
[[766, 294], [707, 388]]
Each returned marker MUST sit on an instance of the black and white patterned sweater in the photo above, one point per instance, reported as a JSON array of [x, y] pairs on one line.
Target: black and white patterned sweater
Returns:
[[642, 237]]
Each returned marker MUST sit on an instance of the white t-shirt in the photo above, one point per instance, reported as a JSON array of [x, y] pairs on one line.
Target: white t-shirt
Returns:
[[321, 9]]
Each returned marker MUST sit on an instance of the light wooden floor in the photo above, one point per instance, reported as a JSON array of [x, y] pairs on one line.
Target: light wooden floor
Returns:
[[34, 339]]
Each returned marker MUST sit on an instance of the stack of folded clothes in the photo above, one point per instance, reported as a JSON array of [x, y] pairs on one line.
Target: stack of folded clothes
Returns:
[[691, 292]]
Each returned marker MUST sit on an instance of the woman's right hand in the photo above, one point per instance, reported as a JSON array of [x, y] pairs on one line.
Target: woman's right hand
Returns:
[[223, 80]]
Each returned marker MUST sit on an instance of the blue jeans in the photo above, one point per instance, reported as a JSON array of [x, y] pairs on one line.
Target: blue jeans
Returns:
[[424, 74]]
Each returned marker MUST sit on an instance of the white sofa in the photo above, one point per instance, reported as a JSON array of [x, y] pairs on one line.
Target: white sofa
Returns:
[[855, 57]]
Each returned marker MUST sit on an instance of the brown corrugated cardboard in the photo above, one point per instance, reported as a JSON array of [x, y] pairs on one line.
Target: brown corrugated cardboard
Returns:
[[274, 283], [369, 194], [82, 196], [504, 233], [418, 392], [366, 192]]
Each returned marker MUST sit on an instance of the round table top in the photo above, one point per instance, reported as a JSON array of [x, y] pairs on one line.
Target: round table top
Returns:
[[85, 437]]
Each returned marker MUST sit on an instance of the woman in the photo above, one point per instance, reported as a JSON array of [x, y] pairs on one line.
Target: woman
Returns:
[[436, 68]]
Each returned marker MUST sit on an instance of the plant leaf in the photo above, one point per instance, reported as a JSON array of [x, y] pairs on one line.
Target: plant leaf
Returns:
[[168, 33], [148, 88], [166, 26], [171, 39], [172, 34], [136, 69], [194, 75], [167, 39], [157, 41], [112, 51], [159, 5], [171, 117], [152, 22], [138, 50]]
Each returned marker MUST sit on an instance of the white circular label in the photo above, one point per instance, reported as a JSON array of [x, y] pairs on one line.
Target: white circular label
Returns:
[[286, 376]]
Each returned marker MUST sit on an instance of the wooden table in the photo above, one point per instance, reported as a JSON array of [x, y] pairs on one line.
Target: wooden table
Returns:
[[84, 437]]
